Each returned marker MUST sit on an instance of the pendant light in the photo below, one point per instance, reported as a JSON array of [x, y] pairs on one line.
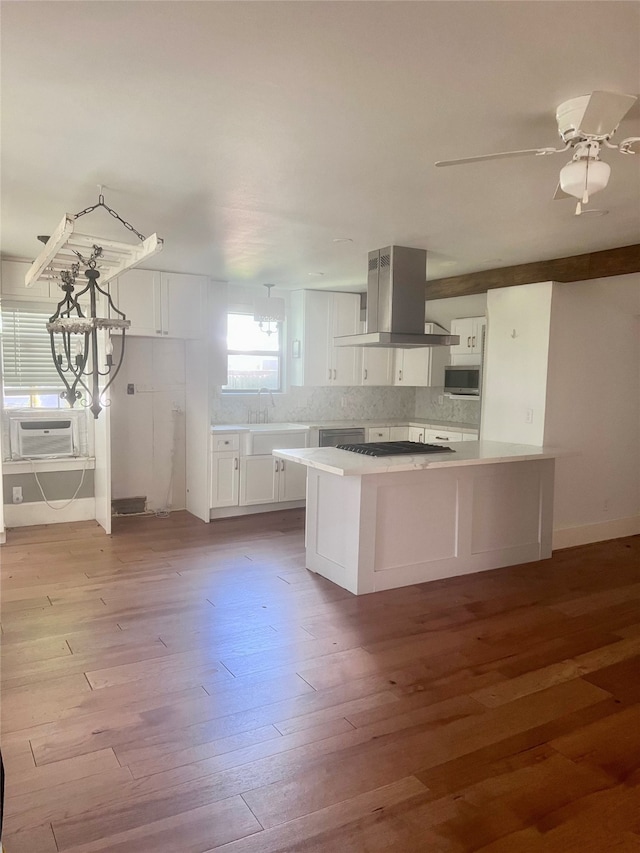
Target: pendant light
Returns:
[[268, 311]]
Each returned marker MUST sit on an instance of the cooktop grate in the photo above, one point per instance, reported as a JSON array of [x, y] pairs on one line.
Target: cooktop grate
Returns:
[[395, 448]]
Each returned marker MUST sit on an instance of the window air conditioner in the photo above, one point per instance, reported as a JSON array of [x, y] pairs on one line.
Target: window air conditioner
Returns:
[[39, 438]]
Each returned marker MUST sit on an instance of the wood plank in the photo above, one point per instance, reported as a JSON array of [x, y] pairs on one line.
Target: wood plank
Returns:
[[610, 262], [497, 709]]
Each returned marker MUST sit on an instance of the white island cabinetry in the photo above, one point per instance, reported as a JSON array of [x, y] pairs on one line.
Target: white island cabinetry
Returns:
[[381, 523]]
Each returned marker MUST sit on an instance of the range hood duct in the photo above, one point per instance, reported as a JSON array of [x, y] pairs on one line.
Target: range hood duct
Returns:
[[395, 302]]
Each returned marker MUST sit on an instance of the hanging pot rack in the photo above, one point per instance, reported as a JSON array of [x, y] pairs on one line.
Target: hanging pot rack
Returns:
[[63, 247]]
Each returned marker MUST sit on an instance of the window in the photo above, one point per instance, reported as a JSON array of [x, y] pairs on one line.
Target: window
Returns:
[[254, 357], [29, 376]]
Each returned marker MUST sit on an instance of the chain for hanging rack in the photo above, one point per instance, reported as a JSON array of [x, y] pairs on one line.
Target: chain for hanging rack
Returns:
[[101, 203]]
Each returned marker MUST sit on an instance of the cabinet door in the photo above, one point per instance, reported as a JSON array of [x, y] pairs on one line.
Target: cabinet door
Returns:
[[377, 366], [416, 434], [224, 479], [345, 362], [258, 480], [292, 478], [378, 434], [182, 305], [317, 368], [416, 365], [138, 295], [12, 283], [479, 326], [463, 327], [399, 433], [441, 436]]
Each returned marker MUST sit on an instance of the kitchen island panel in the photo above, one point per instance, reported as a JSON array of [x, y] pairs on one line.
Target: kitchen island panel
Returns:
[[395, 529]]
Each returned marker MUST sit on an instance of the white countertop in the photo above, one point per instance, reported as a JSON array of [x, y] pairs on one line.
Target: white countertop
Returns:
[[345, 463]]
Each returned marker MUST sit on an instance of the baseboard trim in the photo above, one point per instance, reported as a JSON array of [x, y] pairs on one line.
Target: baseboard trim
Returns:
[[235, 511], [569, 537], [26, 515]]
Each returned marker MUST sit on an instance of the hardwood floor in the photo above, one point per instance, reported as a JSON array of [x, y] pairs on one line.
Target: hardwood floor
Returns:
[[183, 688]]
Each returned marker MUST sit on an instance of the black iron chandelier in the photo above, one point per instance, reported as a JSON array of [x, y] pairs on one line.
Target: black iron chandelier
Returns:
[[81, 339], [74, 336]]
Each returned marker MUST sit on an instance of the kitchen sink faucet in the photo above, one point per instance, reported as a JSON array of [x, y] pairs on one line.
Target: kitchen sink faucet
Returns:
[[261, 415]]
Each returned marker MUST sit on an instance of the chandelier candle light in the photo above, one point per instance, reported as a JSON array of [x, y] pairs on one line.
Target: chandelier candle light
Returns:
[[81, 342], [269, 310], [78, 362]]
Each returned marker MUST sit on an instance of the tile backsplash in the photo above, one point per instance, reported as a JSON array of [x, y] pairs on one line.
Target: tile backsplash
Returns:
[[349, 404], [319, 404], [427, 407]]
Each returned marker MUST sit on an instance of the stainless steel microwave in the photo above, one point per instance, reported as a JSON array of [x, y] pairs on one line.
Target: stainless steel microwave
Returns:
[[463, 380]]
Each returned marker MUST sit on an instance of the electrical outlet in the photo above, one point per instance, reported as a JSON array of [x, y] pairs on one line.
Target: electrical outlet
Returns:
[[17, 495], [528, 416]]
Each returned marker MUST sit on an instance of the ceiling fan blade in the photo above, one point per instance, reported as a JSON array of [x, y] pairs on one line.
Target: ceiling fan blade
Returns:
[[560, 193], [500, 156], [604, 112]]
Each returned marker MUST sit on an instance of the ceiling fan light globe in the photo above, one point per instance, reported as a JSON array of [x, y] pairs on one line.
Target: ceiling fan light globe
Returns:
[[575, 177]]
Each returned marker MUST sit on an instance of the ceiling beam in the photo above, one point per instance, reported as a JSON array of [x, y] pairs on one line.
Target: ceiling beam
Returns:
[[625, 259]]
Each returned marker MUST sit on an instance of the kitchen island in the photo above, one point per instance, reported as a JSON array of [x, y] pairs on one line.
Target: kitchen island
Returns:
[[380, 523]]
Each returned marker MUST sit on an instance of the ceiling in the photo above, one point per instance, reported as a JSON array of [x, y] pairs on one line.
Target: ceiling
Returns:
[[253, 135]]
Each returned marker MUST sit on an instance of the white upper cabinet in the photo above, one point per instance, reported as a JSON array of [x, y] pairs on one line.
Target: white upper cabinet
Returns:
[[12, 286], [420, 366], [183, 303], [137, 293], [161, 304], [317, 317], [471, 331], [12, 283], [377, 366]]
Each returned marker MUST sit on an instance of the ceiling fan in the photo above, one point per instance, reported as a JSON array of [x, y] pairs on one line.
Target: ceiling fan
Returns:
[[585, 125]]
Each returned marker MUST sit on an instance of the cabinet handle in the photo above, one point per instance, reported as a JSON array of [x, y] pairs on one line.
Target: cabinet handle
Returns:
[[469, 341], [473, 341], [365, 373], [235, 464], [442, 438], [334, 374], [329, 374], [399, 376], [282, 464], [277, 466]]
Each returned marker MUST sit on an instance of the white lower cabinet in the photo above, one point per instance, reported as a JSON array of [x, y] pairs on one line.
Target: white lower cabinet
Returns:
[[378, 434], [292, 484], [416, 434], [441, 436], [265, 479], [225, 479], [400, 433]]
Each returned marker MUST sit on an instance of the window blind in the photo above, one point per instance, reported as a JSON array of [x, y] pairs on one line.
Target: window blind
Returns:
[[27, 364]]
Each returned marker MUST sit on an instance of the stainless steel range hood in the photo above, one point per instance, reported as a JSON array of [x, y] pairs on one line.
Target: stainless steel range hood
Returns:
[[395, 302]]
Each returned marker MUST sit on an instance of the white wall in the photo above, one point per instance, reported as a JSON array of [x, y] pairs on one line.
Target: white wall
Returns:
[[593, 408], [142, 424], [516, 361], [443, 311]]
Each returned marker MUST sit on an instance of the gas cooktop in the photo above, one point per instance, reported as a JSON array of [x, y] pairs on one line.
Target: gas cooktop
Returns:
[[395, 448]]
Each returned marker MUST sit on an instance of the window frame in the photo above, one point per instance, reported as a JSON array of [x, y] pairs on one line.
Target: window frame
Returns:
[[278, 354]]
